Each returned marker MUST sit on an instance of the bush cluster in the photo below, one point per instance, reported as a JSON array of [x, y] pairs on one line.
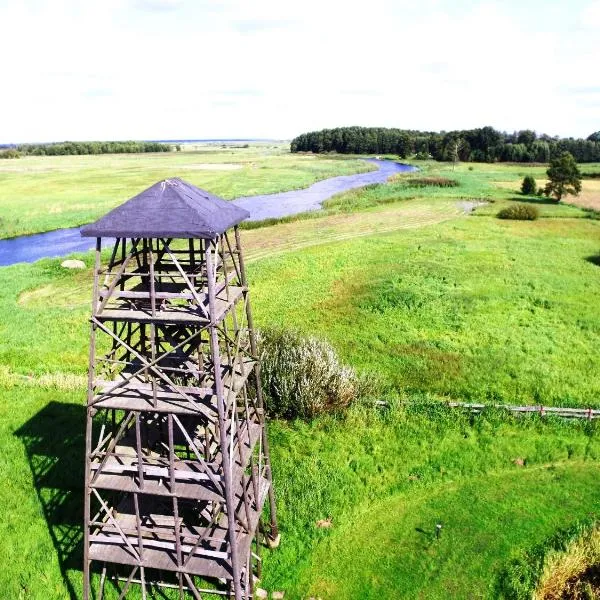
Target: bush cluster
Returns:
[[10, 153], [432, 182], [302, 377], [422, 156], [519, 212]]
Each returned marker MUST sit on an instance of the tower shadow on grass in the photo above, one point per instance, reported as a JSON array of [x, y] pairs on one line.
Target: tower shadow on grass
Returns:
[[595, 260], [54, 441]]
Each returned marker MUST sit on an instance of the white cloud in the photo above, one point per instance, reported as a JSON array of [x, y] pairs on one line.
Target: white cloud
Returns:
[[159, 4], [177, 68], [590, 16]]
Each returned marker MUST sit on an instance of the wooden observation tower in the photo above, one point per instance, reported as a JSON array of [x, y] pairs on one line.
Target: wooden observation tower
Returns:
[[177, 457]]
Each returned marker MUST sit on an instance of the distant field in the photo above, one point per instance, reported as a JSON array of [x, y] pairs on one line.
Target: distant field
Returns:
[[44, 193], [588, 198]]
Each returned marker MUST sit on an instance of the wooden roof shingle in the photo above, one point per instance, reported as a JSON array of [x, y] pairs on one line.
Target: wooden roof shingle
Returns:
[[171, 208]]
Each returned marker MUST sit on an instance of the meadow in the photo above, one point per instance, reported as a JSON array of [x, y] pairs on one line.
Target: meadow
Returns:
[[44, 193], [435, 301]]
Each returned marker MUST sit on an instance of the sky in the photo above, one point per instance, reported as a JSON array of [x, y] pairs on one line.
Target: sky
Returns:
[[193, 69]]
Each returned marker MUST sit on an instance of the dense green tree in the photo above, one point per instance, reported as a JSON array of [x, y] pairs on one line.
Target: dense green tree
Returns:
[[595, 137], [529, 186], [484, 144], [64, 148], [10, 153], [564, 177], [527, 137], [455, 150], [540, 151]]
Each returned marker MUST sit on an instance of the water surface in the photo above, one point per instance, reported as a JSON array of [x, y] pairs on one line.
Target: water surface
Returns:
[[283, 204]]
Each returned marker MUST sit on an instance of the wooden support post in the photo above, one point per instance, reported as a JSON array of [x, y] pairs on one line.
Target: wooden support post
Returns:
[[88, 429], [265, 441], [229, 492]]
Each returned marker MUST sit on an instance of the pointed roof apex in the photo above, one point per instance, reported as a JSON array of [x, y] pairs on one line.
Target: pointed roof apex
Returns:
[[170, 208]]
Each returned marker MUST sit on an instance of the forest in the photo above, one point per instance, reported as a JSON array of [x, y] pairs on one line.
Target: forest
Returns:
[[484, 144], [71, 148]]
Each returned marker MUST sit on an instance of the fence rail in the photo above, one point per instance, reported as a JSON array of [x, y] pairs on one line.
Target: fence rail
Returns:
[[559, 411]]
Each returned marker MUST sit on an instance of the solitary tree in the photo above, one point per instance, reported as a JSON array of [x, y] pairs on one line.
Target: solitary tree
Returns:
[[528, 187], [455, 148], [564, 176], [595, 137]]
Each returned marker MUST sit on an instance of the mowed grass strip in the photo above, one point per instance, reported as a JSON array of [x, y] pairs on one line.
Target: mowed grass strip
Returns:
[[293, 236]]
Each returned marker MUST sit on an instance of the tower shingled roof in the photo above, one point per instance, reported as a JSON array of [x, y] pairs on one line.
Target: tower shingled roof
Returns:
[[170, 208]]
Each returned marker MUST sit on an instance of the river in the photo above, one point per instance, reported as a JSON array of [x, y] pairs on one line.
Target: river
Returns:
[[61, 242]]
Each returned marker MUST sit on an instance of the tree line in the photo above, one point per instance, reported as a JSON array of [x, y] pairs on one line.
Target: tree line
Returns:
[[69, 148], [484, 144]]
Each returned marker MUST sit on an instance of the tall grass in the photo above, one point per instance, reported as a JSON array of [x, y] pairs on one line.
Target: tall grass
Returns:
[[556, 569], [303, 377], [443, 182]]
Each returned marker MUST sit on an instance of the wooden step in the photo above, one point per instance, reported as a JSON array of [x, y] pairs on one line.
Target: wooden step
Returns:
[[210, 559], [120, 471], [140, 311], [139, 396]]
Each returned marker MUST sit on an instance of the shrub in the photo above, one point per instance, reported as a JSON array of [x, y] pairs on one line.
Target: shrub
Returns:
[[10, 153], [528, 187], [519, 212], [432, 182], [303, 377]]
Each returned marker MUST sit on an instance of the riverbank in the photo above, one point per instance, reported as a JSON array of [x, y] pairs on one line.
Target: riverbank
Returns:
[[62, 242], [41, 194]]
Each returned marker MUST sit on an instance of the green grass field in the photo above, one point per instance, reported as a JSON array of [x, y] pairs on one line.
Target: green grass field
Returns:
[[385, 481], [438, 303]]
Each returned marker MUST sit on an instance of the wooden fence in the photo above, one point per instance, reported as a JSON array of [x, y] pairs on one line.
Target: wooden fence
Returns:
[[559, 411]]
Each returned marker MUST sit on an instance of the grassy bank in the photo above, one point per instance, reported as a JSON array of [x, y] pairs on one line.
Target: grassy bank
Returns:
[[475, 309], [471, 308], [385, 481], [494, 186]]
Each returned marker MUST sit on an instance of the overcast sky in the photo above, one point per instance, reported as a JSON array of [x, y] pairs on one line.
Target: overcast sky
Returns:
[[168, 69]]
